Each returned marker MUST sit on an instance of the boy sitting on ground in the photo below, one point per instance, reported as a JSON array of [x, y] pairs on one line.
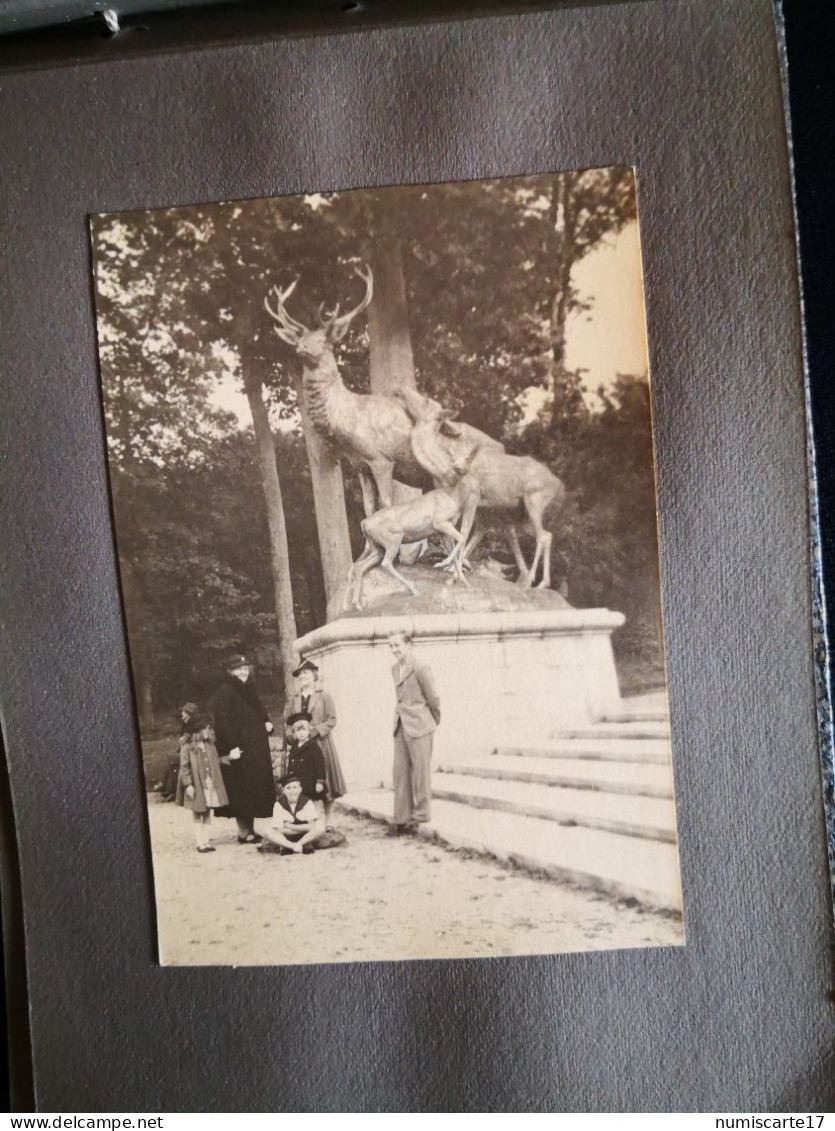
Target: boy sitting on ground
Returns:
[[296, 821]]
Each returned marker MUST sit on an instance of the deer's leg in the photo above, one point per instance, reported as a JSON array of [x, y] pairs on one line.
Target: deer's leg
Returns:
[[449, 529], [551, 503], [535, 506], [449, 559], [467, 523], [370, 557], [388, 565], [383, 475], [531, 575], [547, 539], [472, 546], [369, 491], [367, 551], [460, 539], [513, 538]]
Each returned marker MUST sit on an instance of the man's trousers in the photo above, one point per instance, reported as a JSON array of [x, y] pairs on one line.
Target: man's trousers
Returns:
[[412, 777]]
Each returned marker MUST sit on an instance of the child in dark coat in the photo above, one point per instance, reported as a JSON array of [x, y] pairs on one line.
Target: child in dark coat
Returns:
[[312, 697], [305, 759], [200, 787]]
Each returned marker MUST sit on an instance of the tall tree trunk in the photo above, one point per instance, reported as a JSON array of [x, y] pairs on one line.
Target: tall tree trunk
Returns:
[[391, 359], [390, 341], [279, 553], [329, 505], [563, 230], [138, 623]]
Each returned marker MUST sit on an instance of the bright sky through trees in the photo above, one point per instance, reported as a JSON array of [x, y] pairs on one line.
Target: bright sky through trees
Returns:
[[606, 340]]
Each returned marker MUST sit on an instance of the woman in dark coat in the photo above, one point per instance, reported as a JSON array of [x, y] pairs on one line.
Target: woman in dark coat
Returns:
[[242, 726]]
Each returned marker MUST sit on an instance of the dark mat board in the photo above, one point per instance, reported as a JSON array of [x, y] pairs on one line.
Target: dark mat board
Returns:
[[688, 92]]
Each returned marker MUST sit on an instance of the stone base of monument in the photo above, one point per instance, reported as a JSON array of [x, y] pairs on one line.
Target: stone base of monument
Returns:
[[537, 761], [511, 665], [593, 808]]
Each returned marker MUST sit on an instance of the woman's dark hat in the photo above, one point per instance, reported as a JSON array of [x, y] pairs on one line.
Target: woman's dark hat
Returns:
[[237, 661], [306, 666], [299, 717]]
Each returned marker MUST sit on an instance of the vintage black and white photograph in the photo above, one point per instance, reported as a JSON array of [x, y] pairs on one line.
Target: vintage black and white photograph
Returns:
[[382, 477]]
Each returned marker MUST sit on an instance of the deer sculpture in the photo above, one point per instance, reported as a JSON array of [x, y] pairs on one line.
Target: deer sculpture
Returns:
[[370, 432], [435, 512], [511, 486]]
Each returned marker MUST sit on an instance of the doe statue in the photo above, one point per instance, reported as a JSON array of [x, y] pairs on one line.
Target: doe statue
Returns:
[[512, 487], [454, 499]]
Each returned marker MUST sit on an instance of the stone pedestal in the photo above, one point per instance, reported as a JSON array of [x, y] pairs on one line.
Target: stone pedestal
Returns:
[[504, 678]]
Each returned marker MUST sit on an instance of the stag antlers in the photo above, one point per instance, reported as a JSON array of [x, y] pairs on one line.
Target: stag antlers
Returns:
[[290, 330], [287, 327]]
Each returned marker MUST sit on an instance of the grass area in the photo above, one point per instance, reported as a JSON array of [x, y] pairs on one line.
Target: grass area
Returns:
[[639, 675]]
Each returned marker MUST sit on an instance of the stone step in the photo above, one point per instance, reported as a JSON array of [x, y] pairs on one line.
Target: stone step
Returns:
[[636, 715], [572, 773], [654, 750], [649, 708], [624, 867], [653, 818], [617, 730], [656, 700]]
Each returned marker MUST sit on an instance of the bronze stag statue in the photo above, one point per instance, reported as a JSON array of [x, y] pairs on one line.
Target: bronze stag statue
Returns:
[[370, 432], [412, 437]]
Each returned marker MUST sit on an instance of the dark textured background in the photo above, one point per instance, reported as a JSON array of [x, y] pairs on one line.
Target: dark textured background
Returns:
[[687, 91], [810, 45]]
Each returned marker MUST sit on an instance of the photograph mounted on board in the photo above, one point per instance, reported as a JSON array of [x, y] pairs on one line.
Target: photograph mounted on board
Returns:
[[382, 476]]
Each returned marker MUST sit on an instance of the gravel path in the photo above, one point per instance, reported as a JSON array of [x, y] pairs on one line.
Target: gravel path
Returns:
[[377, 899]]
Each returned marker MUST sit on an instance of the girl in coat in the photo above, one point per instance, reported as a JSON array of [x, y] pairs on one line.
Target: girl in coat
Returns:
[[200, 787], [311, 698]]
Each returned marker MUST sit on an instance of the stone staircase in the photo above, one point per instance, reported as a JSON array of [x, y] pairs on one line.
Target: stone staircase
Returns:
[[593, 805]]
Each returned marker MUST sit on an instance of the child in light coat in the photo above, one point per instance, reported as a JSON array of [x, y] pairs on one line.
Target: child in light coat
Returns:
[[201, 786]]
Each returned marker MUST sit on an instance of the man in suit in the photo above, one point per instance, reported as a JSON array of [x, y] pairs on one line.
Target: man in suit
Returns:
[[416, 715]]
